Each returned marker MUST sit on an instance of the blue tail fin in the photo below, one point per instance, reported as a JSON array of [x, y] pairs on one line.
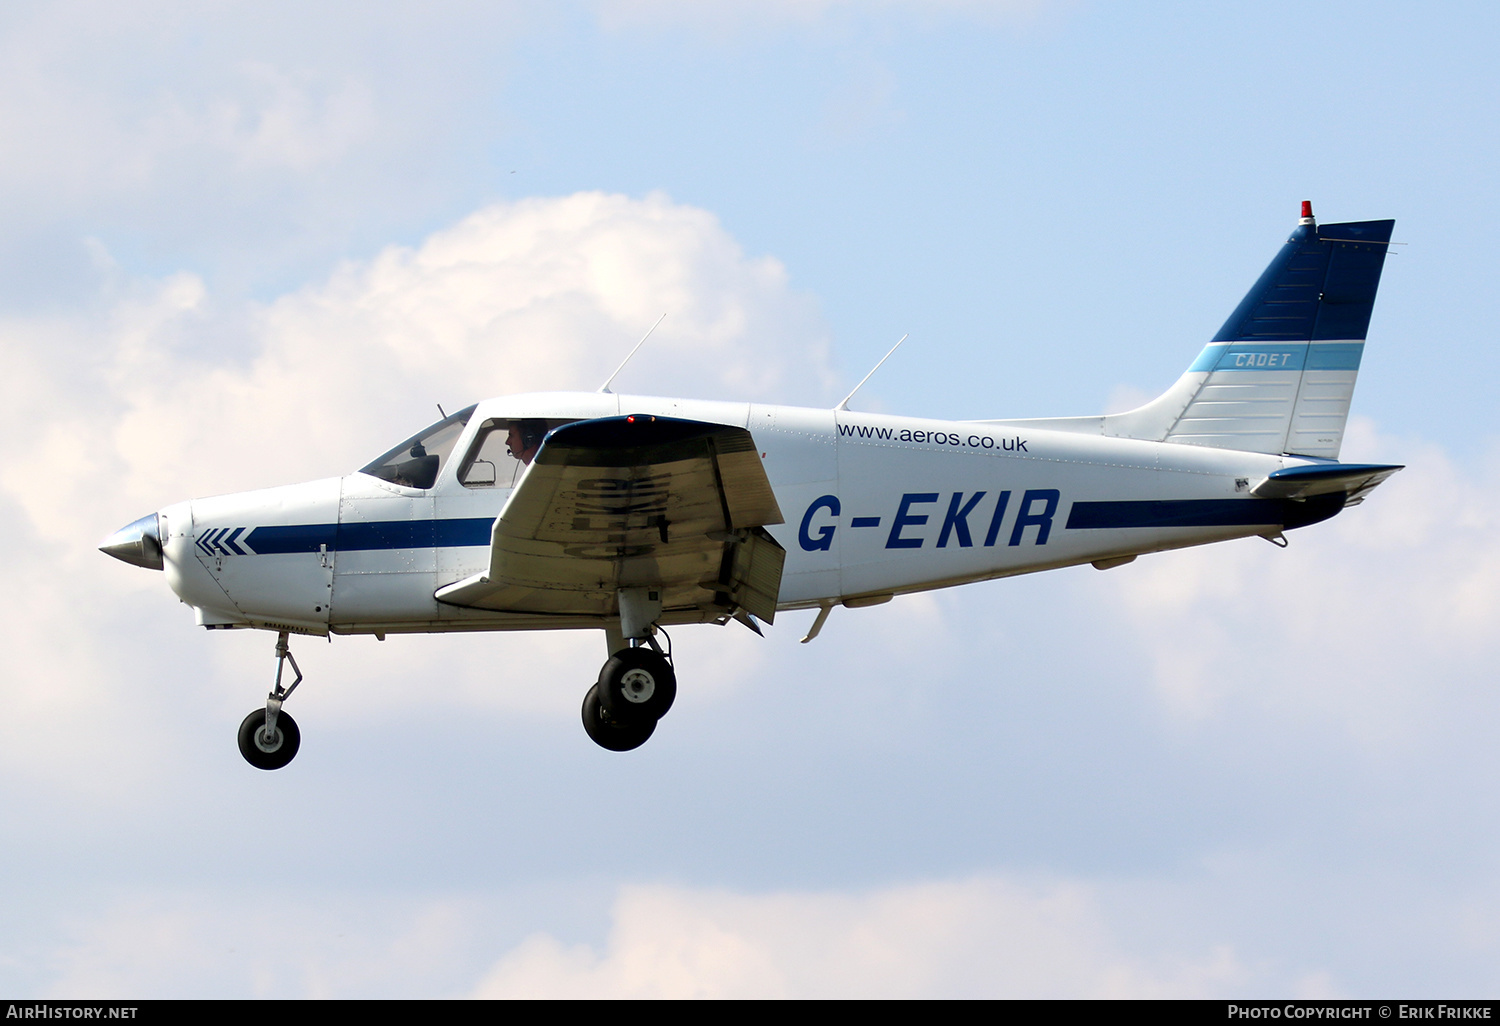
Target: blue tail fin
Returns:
[[1279, 374]]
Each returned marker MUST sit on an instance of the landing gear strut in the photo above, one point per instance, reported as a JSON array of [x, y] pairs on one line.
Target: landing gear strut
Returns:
[[269, 738], [636, 687]]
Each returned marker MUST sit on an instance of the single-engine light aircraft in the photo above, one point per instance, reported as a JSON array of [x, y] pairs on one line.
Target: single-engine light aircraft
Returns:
[[629, 513]]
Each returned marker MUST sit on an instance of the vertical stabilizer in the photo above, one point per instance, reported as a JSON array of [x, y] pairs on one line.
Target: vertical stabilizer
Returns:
[[1278, 376]]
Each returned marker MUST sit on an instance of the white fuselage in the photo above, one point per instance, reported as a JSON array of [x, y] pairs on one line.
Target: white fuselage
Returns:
[[874, 506]]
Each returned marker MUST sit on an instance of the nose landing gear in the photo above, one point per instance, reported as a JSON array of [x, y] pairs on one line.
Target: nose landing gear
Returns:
[[269, 738]]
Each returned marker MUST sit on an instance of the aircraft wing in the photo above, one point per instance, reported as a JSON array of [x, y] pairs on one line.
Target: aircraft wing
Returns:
[[637, 501], [1355, 480]]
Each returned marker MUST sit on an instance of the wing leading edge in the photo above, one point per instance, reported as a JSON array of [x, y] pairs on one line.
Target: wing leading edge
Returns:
[[636, 501]]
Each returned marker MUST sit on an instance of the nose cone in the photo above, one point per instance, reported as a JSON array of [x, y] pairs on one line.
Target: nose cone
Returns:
[[138, 544]]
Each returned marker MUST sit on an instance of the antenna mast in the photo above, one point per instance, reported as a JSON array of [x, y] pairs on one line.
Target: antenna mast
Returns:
[[604, 388], [845, 404]]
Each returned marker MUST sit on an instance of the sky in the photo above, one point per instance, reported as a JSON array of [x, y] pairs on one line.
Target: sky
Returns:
[[251, 244]]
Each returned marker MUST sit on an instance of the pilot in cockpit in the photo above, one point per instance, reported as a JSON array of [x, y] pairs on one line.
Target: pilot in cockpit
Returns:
[[525, 438]]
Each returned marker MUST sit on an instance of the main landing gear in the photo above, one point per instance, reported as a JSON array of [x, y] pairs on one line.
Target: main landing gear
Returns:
[[636, 687], [269, 738]]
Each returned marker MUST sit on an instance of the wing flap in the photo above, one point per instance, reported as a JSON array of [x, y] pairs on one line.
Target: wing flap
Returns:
[[754, 579]]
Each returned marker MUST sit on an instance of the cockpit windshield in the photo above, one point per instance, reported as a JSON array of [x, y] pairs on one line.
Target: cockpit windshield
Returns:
[[416, 462]]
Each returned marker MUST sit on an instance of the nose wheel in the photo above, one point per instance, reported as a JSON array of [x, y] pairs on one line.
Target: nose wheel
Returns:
[[269, 748], [269, 738]]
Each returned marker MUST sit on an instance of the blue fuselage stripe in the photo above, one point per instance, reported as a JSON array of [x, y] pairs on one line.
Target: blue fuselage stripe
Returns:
[[378, 534], [1175, 513]]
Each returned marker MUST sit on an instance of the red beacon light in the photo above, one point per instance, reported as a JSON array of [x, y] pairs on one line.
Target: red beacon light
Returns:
[[1307, 214]]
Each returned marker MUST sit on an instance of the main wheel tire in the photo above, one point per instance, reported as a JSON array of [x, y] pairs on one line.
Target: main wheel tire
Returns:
[[606, 733], [273, 752], [637, 685]]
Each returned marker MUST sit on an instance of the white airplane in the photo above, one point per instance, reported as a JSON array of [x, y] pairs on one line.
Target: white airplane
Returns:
[[632, 513]]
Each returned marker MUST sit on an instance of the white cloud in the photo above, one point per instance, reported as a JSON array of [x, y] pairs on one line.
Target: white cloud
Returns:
[[532, 296], [1245, 927], [256, 142], [985, 937], [290, 120], [1367, 621], [266, 944], [93, 108]]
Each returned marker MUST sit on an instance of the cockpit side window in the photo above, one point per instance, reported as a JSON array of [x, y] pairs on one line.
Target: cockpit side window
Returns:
[[416, 462], [501, 448]]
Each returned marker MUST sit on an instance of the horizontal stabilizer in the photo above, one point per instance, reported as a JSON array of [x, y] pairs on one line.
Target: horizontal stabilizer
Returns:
[[1355, 480]]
